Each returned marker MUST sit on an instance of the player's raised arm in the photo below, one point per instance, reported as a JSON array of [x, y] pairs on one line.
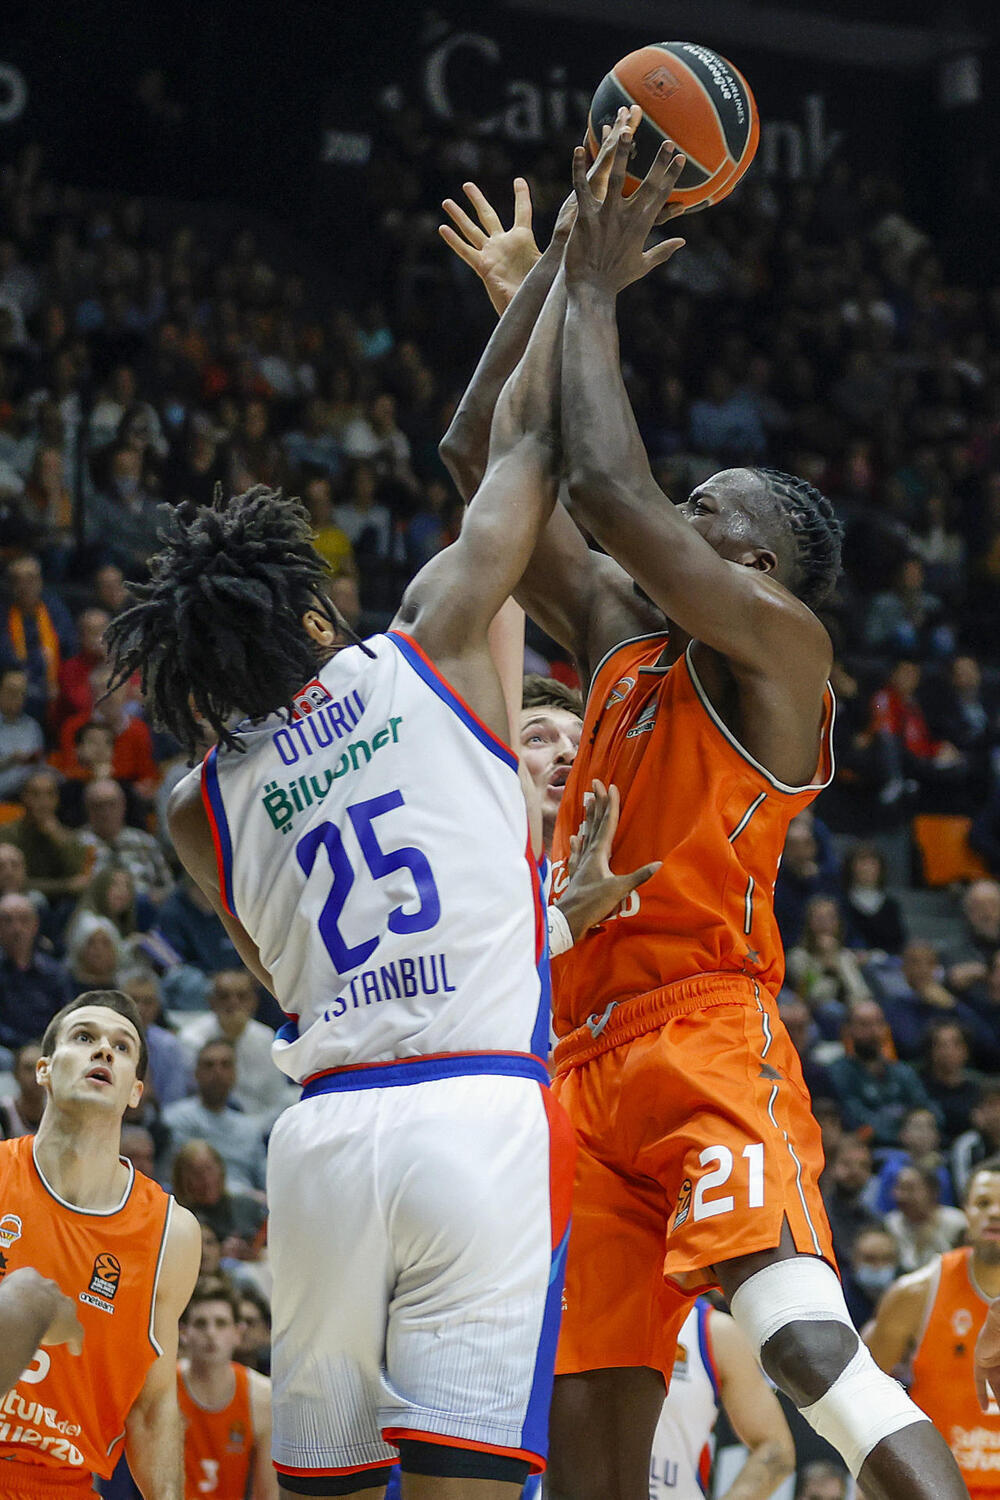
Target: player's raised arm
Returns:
[[729, 602]]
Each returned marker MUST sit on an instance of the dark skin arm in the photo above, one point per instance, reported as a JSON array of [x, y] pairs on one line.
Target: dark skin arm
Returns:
[[762, 656], [584, 601]]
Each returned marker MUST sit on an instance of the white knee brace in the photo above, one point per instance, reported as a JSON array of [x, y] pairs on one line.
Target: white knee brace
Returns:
[[864, 1405]]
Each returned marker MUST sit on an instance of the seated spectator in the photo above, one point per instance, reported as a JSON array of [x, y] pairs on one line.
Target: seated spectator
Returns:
[[109, 589], [189, 924], [200, 1183], [22, 1113], [170, 1076], [871, 1268], [22, 744], [427, 529], [361, 516], [329, 540], [957, 711], [821, 970], [211, 1251], [76, 693], [94, 953], [123, 519], [968, 963], [111, 894], [261, 1088], [33, 986], [58, 863], [214, 1116], [873, 1090], [14, 879], [903, 620], [37, 634], [725, 422], [113, 842], [808, 868], [952, 1086], [914, 999], [843, 1185], [921, 1226], [874, 917], [254, 1348], [919, 1146], [804, 1034], [979, 1143], [132, 757], [910, 755], [983, 1000], [314, 445], [138, 1147]]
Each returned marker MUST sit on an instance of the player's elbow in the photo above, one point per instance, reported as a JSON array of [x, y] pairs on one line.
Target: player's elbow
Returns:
[[777, 1456], [457, 452]]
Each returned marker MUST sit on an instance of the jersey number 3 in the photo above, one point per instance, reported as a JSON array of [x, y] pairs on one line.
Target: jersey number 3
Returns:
[[380, 863]]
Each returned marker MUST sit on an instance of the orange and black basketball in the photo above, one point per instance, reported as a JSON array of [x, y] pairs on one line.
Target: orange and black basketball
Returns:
[[696, 98]]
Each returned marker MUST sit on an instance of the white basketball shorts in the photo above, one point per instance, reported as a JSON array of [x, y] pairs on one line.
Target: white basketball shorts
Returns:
[[419, 1215]]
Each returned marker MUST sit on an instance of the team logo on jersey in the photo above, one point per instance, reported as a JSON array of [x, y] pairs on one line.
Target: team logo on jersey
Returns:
[[645, 722], [106, 1275], [683, 1204], [309, 698], [619, 692], [237, 1439], [10, 1230], [681, 1369], [961, 1322]]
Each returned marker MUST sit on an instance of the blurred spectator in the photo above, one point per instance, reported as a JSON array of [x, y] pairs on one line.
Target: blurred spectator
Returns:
[[193, 930], [871, 1269], [57, 861], [952, 1086], [979, 1143], [37, 633], [138, 1148], [958, 712], [76, 692], [725, 422], [33, 986], [200, 1183], [821, 969], [232, 998], [361, 516], [919, 1146], [14, 879], [254, 1348], [843, 1185], [170, 1075], [968, 963], [804, 1034], [330, 540], [918, 999], [902, 621], [109, 589], [808, 868], [822, 1481], [921, 1226], [314, 445], [111, 893], [873, 1090], [132, 758], [107, 834], [21, 1114], [911, 757], [874, 916], [212, 1115], [22, 744], [94, 953]]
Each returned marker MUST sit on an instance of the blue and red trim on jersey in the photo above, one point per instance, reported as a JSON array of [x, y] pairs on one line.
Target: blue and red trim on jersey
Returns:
[[211, 796], [425, 668], [540, 1031], [401, 1072]]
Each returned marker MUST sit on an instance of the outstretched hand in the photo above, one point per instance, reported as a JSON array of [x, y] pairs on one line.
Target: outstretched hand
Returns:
[[606, 247], [594, 891]]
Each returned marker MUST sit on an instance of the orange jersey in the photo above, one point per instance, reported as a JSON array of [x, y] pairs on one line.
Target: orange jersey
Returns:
[[218, 1445], [67, 1412], [943, 1384], [693, 798]]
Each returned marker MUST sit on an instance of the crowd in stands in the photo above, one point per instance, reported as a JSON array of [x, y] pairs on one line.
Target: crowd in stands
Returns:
[[812, 327]]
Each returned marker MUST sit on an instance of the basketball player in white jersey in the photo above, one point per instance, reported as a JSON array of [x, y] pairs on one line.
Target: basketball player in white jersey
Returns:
[[713, 1366], [361, 831]]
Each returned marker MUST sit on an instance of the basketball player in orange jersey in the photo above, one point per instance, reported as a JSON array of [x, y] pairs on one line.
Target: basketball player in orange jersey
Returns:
[[118, 1246], [709, 708], [226, 1408], [930, 1319]]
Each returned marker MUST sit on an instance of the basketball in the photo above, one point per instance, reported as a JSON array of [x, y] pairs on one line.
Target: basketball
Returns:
[[696, 98]]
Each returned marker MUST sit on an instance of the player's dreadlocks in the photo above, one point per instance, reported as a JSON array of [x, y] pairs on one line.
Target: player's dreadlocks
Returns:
[[817, 532], [217, 631]]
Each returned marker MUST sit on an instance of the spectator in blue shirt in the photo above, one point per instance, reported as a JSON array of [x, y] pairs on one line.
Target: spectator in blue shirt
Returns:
[[33, 986]]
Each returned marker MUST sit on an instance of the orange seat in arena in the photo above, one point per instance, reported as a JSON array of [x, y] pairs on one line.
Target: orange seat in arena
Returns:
[[943, 841], [10, 812]]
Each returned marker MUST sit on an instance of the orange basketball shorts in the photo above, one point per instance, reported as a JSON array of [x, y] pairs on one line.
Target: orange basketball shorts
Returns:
[[697, 1142]]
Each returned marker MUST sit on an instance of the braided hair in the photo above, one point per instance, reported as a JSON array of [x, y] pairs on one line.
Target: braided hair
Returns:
[[816, 532], [217, 630]]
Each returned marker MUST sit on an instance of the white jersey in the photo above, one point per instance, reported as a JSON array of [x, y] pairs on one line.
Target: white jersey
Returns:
[[376, 849], [682, 1448]]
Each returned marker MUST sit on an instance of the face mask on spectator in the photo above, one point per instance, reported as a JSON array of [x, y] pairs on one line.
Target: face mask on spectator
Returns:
[[874, 1279]]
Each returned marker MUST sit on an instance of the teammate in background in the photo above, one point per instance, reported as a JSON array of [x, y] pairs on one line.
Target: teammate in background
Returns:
[[709, 707], [715, 1366], [821, 1481], [929, 1320], [225, 1407], [33, 1311], [419, 1191], [73, 1210]]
